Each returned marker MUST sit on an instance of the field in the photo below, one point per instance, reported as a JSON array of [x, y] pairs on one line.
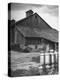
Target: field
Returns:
[[28, 64]]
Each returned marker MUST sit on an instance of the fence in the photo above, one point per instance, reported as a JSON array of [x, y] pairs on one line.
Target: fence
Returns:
[[49, 60]]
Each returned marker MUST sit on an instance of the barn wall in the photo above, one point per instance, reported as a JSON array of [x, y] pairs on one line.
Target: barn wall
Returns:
[[19, 38], [40, 43], [12, 35]]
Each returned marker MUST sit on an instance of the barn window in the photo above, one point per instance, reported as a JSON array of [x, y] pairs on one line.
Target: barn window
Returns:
[[36, 20], [35, 16]]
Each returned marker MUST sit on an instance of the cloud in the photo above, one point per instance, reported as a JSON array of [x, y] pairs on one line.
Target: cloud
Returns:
[[20, 6], [51, 10]]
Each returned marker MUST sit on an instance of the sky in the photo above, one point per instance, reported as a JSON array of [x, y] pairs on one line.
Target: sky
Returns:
[[50, 13]]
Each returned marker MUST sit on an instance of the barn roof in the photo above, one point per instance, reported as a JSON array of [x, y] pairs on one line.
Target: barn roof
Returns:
[[35, 26]]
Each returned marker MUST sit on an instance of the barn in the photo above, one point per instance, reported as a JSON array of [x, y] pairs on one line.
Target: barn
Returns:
[[32, 31]]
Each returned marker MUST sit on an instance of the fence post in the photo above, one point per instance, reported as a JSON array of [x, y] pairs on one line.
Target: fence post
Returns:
[[44, 65], [50, 60], [40, 57], [55, 61]]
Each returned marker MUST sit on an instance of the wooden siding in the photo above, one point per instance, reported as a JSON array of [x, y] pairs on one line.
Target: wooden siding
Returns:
[[12, 35], [19, 38]]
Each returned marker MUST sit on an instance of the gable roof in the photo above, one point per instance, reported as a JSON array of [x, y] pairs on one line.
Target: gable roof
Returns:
[[35, 26], [31, 21]]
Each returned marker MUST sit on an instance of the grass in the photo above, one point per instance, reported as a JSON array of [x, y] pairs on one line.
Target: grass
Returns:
[[27, 64]]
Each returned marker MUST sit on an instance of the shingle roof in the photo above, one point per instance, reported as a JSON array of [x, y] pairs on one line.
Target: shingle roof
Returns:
[[28, 28]]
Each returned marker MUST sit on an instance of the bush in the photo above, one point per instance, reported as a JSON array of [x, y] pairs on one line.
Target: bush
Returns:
[[36, 59], [26, 50], [16, 47]]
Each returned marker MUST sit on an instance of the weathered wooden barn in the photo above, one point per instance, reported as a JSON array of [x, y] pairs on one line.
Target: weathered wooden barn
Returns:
[[34, 32]]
